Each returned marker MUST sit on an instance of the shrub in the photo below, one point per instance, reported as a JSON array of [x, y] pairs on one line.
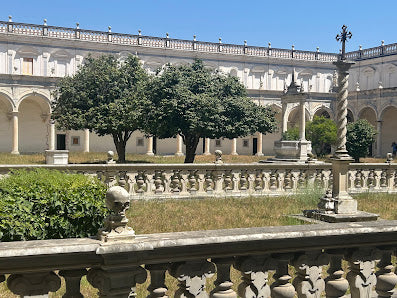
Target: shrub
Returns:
[[322, 132], [291, 134], [48, 204], [360, 136]]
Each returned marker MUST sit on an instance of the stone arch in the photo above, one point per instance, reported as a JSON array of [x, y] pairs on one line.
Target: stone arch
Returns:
[[388, 134], [34, 112], [294, 116], [6, 109], [369, 114], [324, 111], [350, 116]]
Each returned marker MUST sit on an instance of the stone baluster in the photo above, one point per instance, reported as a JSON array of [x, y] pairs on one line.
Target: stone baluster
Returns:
[[32, 284], [301, 179], [223, 283], [167, 182], [175, 182], [318, 180], [395, 179], [243, 181], [251, 181], [158, 182], [258, 181], [266, 180], [273, 180], [287, 181], [390, 179], [371, 179], [294, 179], [282, 288], [201, 182], [192, 276], [131, 183], [280, 180], [383, 179], [149, 182], [140, 182], [386, 279], [326, 178], [157, 287], [184, 182], [122, 178], [254, 280], [228, 181], [117, 282], [236, 181], [209, 182], [218, 181], [192, 181], [72, 281], [335, 284], [361, 276], [358, 179], [308, 282]]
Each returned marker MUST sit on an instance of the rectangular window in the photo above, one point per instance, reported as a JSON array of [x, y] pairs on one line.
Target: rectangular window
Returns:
[[245, 143], [75, 141], [27, 66], [139, 142], [218, 143]]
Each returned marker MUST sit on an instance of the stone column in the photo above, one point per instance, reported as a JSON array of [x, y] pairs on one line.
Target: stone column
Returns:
[[149, 146], [207, 146], [86, 141], [344, 203], [234, 147], [284, 119], [379, 138], [179, 142], [259, 145], [15, 146], [302, 127], [51, 143]]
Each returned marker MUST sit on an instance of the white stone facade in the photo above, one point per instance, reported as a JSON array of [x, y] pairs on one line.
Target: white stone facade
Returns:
[[33, 57]]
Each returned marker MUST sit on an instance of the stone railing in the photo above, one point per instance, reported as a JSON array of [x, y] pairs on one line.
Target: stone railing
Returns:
[[159, 42], [382, 50], [286, 261], [227, 180]]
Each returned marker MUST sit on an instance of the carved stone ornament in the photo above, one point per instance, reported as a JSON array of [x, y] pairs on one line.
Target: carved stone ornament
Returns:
[[115, 227], [32, 284], [218, 157]]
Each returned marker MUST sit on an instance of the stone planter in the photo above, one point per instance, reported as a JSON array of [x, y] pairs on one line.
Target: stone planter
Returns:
[[57, 157]]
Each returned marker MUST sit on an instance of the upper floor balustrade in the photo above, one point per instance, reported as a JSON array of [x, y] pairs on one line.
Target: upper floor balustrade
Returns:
[[146, 181]]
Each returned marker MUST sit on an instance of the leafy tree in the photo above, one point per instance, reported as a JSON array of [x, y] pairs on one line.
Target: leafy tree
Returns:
[[105, 96], [322, 132], [291, 134], [195, 103], [360, 136]]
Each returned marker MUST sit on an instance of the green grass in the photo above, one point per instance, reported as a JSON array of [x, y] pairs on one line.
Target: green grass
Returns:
[[185, 215]]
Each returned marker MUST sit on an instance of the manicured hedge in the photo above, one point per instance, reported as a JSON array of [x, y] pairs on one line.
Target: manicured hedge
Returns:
[[48, 204]]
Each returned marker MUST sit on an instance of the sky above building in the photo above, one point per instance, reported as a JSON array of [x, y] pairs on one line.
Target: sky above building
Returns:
[[305, 24]]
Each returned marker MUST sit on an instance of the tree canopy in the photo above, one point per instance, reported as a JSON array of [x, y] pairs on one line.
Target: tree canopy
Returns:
[[195, 103], [360, 136], [322, 132], [106, 96]]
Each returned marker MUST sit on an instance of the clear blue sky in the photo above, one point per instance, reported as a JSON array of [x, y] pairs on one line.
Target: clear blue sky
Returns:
[[306, 24]]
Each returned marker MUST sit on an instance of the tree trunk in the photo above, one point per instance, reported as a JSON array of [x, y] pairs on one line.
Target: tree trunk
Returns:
[[191, 143], [120, 142]]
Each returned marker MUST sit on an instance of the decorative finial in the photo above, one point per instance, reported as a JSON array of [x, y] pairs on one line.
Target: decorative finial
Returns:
[[269, 44], [245, 43], [139, 32], [218, 157], [194, 37], [167, 35], [10, 18], [380, 85], [382, 43], [357, 86], [389, 157], [115, 227], [318, 49], [293, 47], [109, 28], [110, 157], [343, 37], [220, 39], [360, 47], [45, 22]]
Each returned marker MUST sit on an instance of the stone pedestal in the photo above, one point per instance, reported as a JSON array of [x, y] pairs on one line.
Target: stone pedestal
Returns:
[[57, 157], [291, 151]]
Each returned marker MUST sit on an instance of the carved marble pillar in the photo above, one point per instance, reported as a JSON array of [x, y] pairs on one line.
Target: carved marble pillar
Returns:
[[149, 146], [114, 282], [207, 146], [86, 140], [15, 133], [259, 145], [379, 138], [192, 276], [284, 118], [234, 147], [179, 143], [72, 280], [302, 126], [33, 284], [51, 143]]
